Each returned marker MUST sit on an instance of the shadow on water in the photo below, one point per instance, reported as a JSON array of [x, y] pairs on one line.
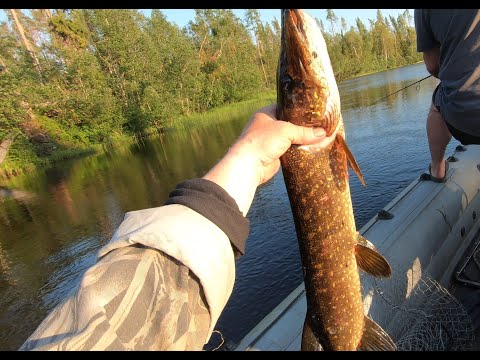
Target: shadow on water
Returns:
[[48, 242]]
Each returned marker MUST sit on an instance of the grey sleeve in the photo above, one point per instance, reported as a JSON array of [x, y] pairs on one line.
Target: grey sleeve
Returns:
[[425, 38], [134, 298]]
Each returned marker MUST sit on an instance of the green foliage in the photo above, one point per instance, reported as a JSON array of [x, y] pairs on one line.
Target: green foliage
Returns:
[[86, 79], [71, 31], [10, 111], [389, 43], [226, 112]]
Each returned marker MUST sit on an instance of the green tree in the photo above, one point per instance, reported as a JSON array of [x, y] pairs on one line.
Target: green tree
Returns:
[[255, 25], [333, 19], [11, 112], [383, 42], [225, 50], [86, 100], [178, 88], [126, 54]]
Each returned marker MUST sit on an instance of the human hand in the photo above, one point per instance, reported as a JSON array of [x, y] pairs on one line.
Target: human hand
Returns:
[[255, 157], [266, 139]]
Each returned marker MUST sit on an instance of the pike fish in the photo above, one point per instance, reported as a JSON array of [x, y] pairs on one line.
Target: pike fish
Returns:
[[316, 178]]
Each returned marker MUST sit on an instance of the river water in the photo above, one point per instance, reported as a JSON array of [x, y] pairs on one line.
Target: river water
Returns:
[[50, 236]]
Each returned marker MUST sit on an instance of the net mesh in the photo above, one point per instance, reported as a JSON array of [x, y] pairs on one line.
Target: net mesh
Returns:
[[429, 318]]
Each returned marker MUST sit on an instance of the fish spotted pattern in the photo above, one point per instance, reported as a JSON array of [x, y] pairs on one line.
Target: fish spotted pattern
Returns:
[[316, 179]]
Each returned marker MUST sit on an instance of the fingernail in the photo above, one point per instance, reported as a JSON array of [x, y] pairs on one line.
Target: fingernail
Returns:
[[319, 132]]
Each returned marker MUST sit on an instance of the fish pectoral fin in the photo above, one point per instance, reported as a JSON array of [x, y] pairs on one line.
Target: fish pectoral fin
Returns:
[[365, 242], [351, 159], [371, 261], [375, 338], [309, 340]]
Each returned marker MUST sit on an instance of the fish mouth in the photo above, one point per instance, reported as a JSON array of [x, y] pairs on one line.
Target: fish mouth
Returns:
[[295, 43], [302, 79]]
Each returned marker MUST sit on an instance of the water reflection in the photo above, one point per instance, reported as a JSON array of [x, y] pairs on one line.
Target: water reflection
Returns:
[[48, 242], [364, 91]]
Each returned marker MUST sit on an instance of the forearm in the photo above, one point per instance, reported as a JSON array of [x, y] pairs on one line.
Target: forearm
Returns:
[[234, 174], [134, 298], [434, 73], [431, 58]]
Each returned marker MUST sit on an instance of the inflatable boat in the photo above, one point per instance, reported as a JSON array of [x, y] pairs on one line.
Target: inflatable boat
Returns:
[[430, 235]]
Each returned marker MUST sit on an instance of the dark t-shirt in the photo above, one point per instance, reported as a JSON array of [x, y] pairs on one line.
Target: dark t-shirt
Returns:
[[457, 33]]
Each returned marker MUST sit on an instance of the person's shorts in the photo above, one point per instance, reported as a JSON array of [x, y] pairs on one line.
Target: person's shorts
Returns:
[[461, 136]]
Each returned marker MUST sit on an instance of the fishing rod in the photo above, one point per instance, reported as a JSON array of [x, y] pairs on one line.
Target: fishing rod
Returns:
[[426, 77]]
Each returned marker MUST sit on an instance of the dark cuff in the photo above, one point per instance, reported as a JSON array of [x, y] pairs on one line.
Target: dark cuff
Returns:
[[213, 202]]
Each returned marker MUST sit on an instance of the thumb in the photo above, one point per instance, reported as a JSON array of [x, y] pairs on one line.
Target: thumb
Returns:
[[302, 135]]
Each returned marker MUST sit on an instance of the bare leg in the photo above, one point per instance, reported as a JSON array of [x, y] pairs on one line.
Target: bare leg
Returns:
[[438, 139]]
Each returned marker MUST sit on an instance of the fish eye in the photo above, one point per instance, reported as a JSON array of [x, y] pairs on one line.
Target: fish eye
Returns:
[[314, 54]]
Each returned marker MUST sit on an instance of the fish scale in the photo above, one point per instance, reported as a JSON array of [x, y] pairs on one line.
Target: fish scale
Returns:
[[325, 219], [317, 184]]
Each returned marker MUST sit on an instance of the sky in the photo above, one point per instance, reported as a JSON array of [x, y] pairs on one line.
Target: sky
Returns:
[[182, 16]]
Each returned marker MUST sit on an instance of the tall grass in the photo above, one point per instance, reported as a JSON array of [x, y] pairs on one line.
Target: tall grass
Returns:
[[223, 113]]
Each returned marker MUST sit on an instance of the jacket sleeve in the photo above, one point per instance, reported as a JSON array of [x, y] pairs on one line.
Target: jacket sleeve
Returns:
[[160, 284], [134, 298]]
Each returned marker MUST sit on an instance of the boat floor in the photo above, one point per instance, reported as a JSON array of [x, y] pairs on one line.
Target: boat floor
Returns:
[[468, 294]]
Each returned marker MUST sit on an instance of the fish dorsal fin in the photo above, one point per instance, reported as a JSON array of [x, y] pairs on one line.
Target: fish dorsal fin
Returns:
[[375, 338], [370, 260], [351, 160]]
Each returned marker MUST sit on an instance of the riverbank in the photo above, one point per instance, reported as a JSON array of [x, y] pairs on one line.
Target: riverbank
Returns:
[[377, 72], [56, 144], [222, 113]]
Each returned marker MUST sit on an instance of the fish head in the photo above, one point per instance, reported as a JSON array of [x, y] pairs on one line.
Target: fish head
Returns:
[[307, 92]]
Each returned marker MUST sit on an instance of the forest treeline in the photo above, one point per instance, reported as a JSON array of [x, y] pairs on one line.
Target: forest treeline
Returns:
[[79, 77]]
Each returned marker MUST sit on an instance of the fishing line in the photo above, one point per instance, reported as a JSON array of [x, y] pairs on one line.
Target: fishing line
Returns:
[[416, 82]]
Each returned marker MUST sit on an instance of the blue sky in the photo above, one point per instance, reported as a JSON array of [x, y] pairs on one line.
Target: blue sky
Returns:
[[183, 16]]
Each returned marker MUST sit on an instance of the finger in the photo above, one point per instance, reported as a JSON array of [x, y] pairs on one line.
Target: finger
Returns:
[[302, 135], [271, 171]]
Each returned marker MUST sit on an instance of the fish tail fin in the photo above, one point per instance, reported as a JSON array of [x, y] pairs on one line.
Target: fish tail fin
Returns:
[[375, 338], [309, 340], [370, 260], [351, 159]]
